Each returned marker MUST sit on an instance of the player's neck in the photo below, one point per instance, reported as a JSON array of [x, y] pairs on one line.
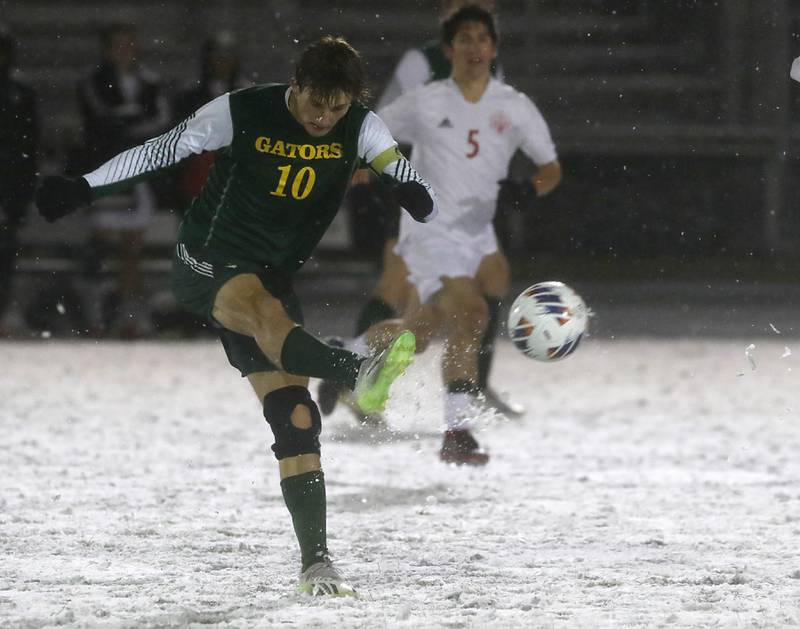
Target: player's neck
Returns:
[[472, 87]]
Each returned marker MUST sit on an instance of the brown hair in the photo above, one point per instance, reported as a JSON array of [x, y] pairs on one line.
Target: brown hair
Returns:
[[332, 65]]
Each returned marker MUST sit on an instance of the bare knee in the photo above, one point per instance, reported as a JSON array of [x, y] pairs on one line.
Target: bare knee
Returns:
[[301, 417]]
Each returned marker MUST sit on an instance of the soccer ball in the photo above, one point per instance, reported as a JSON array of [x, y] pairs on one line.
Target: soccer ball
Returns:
[[547, 321]]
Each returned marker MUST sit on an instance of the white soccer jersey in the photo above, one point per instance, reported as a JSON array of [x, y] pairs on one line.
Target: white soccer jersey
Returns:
[[463, 149]]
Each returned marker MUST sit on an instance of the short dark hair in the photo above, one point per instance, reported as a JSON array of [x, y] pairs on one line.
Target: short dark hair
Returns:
[[332, 65], [469, 13]]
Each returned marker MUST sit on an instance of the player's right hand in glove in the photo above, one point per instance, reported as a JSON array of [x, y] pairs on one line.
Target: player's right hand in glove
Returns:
[[59, 196], [515, 193]]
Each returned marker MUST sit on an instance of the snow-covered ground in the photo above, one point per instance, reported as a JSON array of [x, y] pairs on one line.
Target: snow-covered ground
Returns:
[[652, 483]]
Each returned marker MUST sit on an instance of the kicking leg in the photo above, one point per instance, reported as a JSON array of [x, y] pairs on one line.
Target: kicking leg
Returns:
[[387, 300], [244, 306], [421, 322]]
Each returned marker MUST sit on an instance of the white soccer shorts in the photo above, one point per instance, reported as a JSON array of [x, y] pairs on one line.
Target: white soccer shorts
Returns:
[[430, 255]]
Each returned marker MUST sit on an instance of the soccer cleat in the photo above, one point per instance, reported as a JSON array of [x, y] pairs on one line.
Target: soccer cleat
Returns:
[[378, 372], [330, 394], [510, 409], [374, 419], [461, 448], [323, 579]]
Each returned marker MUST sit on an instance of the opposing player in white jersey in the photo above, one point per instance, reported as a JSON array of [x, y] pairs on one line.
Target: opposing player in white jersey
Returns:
[[367, 197], [464, 131]]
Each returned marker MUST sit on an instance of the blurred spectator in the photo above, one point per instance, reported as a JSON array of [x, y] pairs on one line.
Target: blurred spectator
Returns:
[[220, 63], [18, 145], [122, 105]]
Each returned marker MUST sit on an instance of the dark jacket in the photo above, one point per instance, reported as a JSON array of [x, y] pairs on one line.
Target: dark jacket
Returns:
[[113, 123]]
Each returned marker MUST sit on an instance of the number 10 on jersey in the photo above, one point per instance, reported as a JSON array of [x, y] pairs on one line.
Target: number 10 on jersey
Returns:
[[302, 183]]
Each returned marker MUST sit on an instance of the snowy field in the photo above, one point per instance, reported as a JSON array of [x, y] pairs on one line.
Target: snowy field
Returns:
[[653, 483]]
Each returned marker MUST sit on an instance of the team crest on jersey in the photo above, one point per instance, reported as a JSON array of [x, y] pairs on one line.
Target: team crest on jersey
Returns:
[[499, 122]]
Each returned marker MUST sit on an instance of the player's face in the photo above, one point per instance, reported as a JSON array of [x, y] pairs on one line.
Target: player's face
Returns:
[[473, 50], [317, 116]]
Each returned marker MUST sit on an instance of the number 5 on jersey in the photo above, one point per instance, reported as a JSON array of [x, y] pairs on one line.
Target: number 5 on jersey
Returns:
[[302, 183], [472, 140]]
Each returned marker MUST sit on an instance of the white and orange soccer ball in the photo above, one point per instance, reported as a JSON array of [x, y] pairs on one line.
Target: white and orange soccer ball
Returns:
[[547, 321]]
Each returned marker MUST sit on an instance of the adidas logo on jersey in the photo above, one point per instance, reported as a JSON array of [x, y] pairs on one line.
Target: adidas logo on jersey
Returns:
[[446, 124]]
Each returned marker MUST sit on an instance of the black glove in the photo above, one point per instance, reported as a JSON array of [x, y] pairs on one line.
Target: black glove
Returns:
[[515, 194], [414, 198], [59, 196]]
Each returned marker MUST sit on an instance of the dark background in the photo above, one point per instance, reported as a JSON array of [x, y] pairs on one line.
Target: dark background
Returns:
[[676, 122]]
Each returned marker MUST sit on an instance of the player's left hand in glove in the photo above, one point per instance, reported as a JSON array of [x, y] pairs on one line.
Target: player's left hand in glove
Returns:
[[415, 199], [59, 196], [515, 194]]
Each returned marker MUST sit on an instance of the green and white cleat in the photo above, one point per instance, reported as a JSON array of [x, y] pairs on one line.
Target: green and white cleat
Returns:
[[379, 372], [323, 579]]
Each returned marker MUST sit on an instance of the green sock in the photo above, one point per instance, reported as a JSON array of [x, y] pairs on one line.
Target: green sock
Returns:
[[374, 311], [305, 355], [486, 353], [304, 496]]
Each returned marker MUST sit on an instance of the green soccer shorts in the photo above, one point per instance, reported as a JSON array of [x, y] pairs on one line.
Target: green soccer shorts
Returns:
[[197, 275]]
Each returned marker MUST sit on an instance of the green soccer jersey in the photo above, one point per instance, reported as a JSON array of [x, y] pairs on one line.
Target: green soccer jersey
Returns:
[[274, 189], [438, 64]]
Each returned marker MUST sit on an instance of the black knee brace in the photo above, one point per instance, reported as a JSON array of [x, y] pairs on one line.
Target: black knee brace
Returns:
[[290, 440]]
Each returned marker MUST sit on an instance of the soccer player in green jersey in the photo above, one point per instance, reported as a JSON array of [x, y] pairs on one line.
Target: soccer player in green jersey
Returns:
[[285, 155]]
